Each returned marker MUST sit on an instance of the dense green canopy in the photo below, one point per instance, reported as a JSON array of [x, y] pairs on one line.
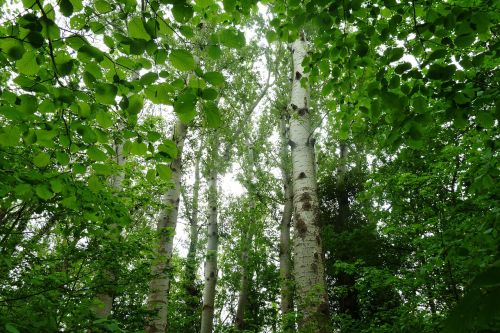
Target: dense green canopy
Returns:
[[405, 109]]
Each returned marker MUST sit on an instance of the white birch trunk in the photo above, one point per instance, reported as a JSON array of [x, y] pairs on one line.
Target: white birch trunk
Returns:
[[160, 284], [210, 275], [308, 254]]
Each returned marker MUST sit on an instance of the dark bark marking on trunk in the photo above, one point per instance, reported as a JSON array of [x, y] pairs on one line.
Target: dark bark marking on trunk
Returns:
[[302, 175], [298, 75], [323, 308], [301, 228], [303, 111]]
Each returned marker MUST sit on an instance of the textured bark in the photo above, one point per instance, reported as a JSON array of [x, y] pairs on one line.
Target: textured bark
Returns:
[[210, 275], [286, 219], [160, 284], [308, 254]]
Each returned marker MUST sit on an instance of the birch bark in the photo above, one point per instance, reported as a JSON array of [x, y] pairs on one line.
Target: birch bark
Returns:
[[210, 274], [160, 284], [308, 254]]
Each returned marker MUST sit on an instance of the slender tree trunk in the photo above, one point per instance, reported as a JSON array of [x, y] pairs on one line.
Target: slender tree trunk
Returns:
[[286, 219], [106, 294], [160, 284], [342, 195], [192, 292], [207, 315], [308, 253], [244, 281]]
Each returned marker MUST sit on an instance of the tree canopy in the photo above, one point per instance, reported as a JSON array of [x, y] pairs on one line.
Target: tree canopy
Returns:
[[249, 166]]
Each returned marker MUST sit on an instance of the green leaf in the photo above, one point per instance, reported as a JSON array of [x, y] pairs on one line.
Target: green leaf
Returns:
[[135, 104], [29, 3], [137, 30], [44, 192], [10, 327], [419, 104], [62, 158], [12, 47], [104, 119], [214, 78], [214, 52], [164, 171], [10, 136], [441, 72], [92, 52], [485, 119], [41, 159], [466, 40], [102, 6], [70, 202], [22, 189], [66, 8], [36, 39], [182, 12], [27, 65], [229, 5], [169, 148], [394, 54], [148, 78], [96, 154], [105, 93], [185, 107], [138, 148], [209, 94], [182, 60], [213, 117], [102, 169], [56, 185], [392, 100], [232, 38]]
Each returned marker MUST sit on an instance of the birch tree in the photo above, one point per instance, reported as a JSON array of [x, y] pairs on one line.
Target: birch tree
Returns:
[[308, 253], [210, 270], [160, 284]]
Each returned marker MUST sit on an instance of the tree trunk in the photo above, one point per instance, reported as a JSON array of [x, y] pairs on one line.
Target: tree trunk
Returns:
[[308, 254], [207, 315], [286, 219], [160, 284], [105, 296], [192, 291], [239, 320]]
